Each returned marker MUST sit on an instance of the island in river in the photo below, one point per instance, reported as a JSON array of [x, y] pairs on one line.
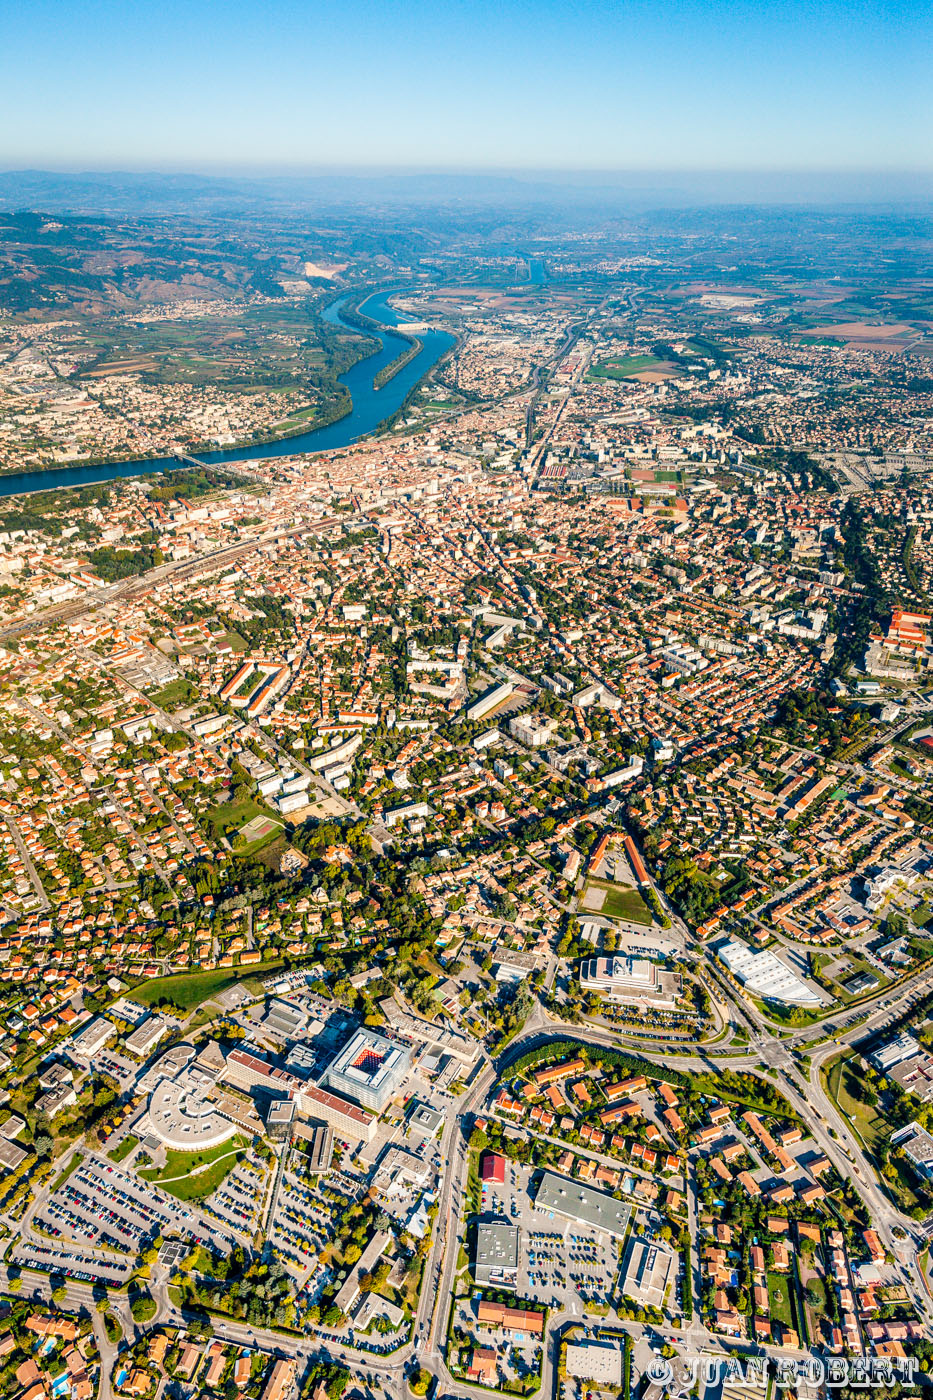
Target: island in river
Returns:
[[374, 400]]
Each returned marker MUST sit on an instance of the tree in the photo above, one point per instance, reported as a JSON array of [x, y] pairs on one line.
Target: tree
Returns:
[[143, 1306]]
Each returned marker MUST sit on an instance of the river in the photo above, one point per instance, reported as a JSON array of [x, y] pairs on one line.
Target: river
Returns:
[[370, 407]]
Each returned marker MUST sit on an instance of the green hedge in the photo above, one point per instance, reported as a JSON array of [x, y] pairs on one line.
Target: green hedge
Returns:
[[626, 1064]]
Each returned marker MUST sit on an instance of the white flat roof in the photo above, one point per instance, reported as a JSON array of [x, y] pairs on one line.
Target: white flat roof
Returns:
[[764, 973]]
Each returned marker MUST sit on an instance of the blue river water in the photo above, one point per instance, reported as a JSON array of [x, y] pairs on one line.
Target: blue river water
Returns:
[[371, 407]]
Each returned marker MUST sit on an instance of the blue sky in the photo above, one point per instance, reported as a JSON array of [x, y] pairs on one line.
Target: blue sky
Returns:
[[467, 84]]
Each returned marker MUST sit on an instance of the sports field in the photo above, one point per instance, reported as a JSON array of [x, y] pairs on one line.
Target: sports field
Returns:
[[258, 827], [622, 368], [615, 902]]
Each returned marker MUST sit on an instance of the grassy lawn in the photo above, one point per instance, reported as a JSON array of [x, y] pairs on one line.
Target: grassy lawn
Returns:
[[815, 1306], [113, 1328], [301, 416], [119, 1154], [234, 814], [788, 1015], [620, 369], [186, 990], [842, 1081], [175, 694], [779, 1291], [620, 902], [66, 1173], [193, 1175], [257, 833]]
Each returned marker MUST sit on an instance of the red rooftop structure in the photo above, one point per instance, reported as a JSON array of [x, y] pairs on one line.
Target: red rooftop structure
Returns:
[[492, 1167]]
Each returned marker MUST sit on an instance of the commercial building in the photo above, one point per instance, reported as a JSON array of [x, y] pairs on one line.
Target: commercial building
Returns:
[[367, 1261], [496, 1262], [628, 981], [369, 1070], [423, 1120], [12, 1156], [595, 1361], [279, 1119], [575, 1201], [764, 974], [125, 1009], [146, 1036], [347, 1119], [894, 1052], [514, 966], [918, 1145], [648, 1272], [92, 1039], [437, 1039], [284, 1021], [183, 1115], [521, 1320], [246, 1071], [320, 1150], [54, 1100], [400, 1172], [492, 1167]]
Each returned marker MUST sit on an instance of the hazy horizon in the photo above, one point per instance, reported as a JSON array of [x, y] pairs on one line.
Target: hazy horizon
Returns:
[[486, 85], [110, 190]]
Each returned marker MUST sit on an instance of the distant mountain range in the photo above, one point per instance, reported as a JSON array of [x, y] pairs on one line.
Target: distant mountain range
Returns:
[[117, 193]]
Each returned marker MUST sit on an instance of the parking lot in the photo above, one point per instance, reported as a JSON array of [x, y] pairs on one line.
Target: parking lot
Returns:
[[561, 1263], [237, 1204], [110, 1062], [72, 1263], [305, 1214], [101, 1205]]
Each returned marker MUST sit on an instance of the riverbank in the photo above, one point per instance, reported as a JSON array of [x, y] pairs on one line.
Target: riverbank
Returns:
[[396, 367], [371, 410], [354, 315]]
